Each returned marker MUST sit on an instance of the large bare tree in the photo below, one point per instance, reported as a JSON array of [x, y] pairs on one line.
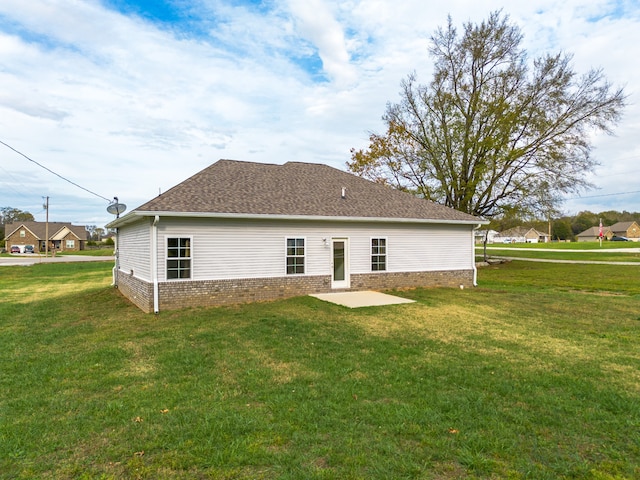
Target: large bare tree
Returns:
[[492, 132]]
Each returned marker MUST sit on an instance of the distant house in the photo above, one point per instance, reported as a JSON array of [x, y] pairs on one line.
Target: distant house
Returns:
[[593, 234], [521, 235], [242, 232], [480, 235], [630, 230], [62, 236]]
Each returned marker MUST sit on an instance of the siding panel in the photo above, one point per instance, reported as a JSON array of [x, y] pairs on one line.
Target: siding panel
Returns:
[[134, 250], [228, 249]]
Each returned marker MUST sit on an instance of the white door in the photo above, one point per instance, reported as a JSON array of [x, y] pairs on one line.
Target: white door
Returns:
[[340, 263]]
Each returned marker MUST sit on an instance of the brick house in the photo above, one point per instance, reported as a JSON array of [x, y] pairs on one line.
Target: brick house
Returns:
[[592, 234], [241, 232], [62, 236], [630, 230]]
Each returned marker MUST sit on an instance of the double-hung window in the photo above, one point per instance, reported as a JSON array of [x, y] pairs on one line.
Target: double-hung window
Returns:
[[295, 256], [178, 257], [378, 254]]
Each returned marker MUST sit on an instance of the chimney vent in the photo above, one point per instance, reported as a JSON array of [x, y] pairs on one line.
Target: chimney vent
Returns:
[[344, 192]]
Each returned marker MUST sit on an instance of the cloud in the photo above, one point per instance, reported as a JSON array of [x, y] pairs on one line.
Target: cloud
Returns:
[[315, 22], [127, 105]]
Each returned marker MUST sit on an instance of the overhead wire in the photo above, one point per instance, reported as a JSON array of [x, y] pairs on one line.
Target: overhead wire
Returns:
[[603, 195], [56, 174]]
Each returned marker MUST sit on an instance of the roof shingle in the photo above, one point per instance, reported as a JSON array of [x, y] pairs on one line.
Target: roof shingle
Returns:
[[293, 189]]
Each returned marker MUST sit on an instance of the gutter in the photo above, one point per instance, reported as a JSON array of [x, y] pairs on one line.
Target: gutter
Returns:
[[473, 254], [138, 214], [154, 263]]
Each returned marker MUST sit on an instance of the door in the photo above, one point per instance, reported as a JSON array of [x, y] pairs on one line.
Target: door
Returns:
[[340, 263]]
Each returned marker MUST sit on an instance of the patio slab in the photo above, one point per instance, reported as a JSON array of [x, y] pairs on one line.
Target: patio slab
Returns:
[[361, 299]]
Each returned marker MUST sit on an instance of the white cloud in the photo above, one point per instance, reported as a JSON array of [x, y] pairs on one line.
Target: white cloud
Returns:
[[125, 107]]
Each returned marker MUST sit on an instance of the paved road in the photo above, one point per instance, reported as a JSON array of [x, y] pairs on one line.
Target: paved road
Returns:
[[592, 262], [33, 259]]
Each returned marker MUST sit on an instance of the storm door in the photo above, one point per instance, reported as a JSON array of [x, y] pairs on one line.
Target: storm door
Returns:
[[340, 263]]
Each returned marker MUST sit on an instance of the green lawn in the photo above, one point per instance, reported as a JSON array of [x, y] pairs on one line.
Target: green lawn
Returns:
[[534, 374]]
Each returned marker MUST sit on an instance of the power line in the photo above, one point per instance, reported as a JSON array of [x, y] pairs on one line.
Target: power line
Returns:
[[603, 195], [56, 174]]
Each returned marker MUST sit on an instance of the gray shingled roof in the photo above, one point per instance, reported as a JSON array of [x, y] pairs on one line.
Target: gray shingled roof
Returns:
[[293, 189]]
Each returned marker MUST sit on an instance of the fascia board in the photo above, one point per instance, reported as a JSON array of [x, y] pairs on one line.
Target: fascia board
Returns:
[[137, 214]]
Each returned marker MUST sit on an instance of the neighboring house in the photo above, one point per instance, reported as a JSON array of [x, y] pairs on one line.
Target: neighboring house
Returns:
[[241, 232], [521, 235], [631, 230], [593, 234], [62, 236], [481, 235]]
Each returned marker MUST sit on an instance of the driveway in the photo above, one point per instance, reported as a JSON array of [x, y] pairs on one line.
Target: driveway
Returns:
[[26, 260]]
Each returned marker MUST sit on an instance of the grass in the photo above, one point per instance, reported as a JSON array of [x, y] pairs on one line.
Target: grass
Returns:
[[534, 374]]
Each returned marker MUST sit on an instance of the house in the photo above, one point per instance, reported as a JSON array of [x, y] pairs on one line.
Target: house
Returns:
[[593, 234], [521, 235], [241, 232], [62, 236], [489, 235], [631, 230]]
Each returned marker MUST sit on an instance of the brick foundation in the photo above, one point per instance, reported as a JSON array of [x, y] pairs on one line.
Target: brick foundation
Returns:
[[136, 290], [181, 294]]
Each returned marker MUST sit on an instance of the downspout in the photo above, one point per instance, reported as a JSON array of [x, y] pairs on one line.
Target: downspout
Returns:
[[116, 265], [473, 256], [154, 263]]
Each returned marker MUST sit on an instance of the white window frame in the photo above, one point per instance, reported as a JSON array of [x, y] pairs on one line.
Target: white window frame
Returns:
[[70, 243], [167, 258], [287, 256], [385, 254]]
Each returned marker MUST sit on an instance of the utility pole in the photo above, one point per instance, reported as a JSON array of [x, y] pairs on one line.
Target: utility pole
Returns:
[[46, 229]]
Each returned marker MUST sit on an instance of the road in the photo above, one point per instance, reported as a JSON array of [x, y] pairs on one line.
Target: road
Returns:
[[547, 260], [610, 250], [33, 259]]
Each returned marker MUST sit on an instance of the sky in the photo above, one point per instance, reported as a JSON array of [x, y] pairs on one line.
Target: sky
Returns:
[[127, 98]]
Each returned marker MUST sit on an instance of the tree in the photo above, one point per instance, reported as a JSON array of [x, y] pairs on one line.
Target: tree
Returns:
[[492, 133], [561, 229], [11, 215]]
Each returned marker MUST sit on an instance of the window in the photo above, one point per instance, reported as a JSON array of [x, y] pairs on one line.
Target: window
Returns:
[[378, 254], [178, 258], [295, 256], [23, 234], [70, 244]]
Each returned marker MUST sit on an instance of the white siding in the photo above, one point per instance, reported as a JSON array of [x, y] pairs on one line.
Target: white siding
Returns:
[[227, 249], [134, 249]]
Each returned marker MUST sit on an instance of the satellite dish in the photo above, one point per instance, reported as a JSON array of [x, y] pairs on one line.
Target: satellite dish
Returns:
[[116, 208]]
